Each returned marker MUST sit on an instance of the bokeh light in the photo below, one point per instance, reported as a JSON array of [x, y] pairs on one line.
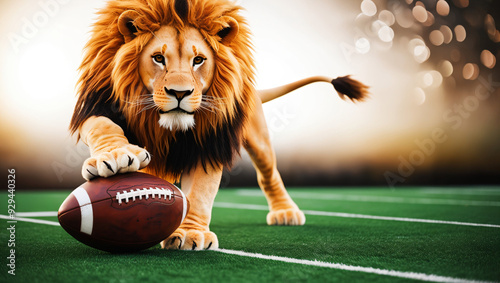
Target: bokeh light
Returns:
[[419, 50], [404, 18], [461, 3], [362, 45], [446, 68], [436, 37], [488, 59], [368, 8], [430, 20], [470, 71], [447, 33], [460, 33], [386, 34], [420, 13], [432, 79], [489, 23], [387, 17], [442, 8]]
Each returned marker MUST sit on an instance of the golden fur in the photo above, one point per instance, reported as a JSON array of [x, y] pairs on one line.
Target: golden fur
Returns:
[[111, 64]]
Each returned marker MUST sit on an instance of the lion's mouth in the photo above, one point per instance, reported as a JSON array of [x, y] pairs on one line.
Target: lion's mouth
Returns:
[[176, 110]]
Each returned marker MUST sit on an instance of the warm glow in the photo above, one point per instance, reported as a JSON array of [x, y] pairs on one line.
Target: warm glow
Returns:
[[418, 96], [34, 63], [419, 58]]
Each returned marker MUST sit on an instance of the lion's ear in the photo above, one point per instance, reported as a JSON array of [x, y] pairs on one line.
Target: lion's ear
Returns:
[[229, 30], [126, 24]]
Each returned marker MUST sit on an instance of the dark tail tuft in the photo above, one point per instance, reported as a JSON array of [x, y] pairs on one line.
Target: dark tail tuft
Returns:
[[351, 88]]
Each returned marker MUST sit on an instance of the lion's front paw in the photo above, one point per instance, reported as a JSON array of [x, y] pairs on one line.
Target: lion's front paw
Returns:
[[191, 240], [291, 216], [129, 158]]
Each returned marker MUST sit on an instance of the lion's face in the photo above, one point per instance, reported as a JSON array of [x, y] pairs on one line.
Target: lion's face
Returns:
[[177, 68]]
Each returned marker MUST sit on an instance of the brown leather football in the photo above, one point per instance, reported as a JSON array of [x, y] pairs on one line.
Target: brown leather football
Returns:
[[124, 213]]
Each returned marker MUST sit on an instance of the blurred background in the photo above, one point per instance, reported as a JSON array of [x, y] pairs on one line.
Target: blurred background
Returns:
[[432, 118]]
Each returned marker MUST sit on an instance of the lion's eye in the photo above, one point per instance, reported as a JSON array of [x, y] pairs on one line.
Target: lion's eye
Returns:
[[198, 60], [159, 59]]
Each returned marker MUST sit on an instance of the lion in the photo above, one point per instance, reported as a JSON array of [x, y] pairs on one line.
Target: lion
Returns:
[[167, 88]]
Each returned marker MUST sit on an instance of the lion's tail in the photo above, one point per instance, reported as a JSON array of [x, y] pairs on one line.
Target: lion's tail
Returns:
[[345, 86]]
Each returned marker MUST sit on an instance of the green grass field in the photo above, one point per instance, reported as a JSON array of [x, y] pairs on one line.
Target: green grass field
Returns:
[[351, 235]]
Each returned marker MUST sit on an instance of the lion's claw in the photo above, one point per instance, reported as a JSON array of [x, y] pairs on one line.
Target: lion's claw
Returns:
[[110, 168], [194, 240], [172, 242], [129, 158]]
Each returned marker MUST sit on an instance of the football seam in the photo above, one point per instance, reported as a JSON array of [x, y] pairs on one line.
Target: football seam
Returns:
[[144, 192]]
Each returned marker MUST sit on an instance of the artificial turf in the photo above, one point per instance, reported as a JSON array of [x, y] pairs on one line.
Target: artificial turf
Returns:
[[47, 254]]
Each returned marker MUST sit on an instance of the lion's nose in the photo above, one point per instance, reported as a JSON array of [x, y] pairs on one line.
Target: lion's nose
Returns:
[[178, 94]]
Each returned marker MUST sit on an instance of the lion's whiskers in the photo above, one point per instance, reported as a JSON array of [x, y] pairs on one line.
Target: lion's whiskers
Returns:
[[206, 108], [210, 103], [144, 102]]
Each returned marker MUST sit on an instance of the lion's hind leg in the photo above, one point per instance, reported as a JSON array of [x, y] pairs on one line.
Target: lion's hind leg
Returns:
[[283, 210]]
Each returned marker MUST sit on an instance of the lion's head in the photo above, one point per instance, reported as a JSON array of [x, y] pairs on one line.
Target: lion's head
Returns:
[[177, 75]]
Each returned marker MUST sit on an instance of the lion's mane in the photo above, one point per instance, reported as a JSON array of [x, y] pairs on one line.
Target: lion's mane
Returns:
[[110, 84]]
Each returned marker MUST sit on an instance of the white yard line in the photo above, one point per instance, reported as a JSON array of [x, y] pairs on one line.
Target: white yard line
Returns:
[[304, 195], [340, 266], [36, 214], [53, 223], [403, 219], [350, 215], [475, 191]]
